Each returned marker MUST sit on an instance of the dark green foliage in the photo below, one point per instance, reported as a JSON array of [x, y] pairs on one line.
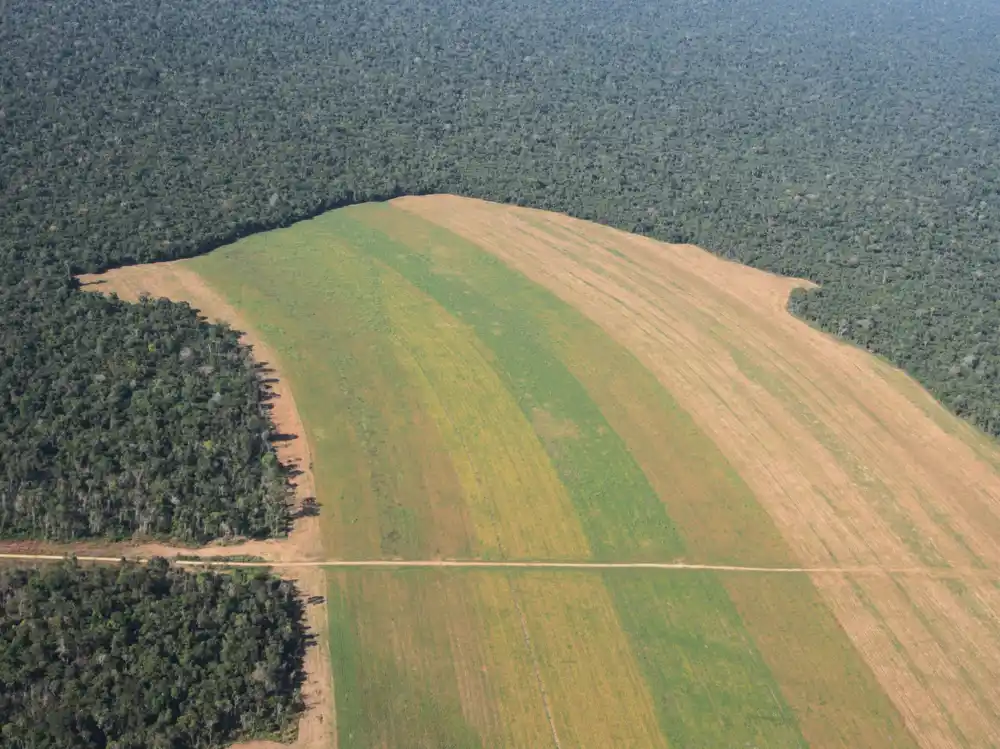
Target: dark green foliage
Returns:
[[130, 419], [146, 657], [851, 142]]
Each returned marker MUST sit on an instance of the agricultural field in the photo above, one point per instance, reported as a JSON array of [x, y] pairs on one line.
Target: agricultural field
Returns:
[[484, 382]]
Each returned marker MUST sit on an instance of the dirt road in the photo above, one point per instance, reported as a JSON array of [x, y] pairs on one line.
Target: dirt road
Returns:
[[943, 572]]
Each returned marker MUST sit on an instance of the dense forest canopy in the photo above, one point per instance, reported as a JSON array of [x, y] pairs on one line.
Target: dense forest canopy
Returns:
[[849, 142], [146, 657], [136, 420]]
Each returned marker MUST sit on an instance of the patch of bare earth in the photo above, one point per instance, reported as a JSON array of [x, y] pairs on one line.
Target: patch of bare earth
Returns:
[[551, 428], [852, 468], [317, 727]]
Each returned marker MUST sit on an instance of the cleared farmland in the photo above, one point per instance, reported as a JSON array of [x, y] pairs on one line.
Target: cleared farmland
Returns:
[[456, 376], [517, 659], [487, 382], [854, 464]]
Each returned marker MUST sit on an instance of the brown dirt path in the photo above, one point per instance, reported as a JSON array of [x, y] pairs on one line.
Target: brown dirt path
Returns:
[[943, 573], [856, 471], [317, 728]]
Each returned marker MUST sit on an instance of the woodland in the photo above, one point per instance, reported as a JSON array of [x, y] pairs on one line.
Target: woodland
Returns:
[[109, 459], [848, 142], [146, 657]]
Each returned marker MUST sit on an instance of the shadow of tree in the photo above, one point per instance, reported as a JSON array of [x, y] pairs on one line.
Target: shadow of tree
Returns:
[[308, 509]]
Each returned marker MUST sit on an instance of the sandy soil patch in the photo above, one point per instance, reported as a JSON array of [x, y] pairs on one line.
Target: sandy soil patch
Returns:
[[317, 728], [851, 467]]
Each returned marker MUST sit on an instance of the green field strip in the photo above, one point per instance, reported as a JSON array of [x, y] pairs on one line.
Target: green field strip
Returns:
[[378, 702], [618, 509], [711, 685], [971, 674], [717, 515], [832, 690], [415, 436]]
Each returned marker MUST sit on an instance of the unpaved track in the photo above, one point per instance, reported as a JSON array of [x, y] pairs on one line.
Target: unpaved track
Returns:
[[930, 572], [317, 728], [857, 466]]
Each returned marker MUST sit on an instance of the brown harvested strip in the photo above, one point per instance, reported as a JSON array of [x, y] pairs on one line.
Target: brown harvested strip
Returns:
[[930, 662], [878, 645], [961, 637], [835, 695]]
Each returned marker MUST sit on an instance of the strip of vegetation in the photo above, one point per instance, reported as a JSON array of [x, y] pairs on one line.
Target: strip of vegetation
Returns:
[[146, 656], [213, 559], [850, 142]]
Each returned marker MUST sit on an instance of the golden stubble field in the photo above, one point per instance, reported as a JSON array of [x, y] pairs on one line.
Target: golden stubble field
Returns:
[[857, 466]]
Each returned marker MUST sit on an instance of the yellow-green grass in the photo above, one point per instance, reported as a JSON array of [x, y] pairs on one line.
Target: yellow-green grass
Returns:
[[620, 512], [712, 687], [430, 659], [594, 684], [456, 409], [474, 658], [420, 449]]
